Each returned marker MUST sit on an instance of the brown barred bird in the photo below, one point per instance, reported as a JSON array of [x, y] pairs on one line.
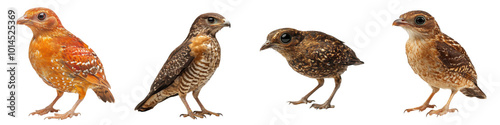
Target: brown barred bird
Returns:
[[63, 61], [313, 54], [189, 66], [437, 59]]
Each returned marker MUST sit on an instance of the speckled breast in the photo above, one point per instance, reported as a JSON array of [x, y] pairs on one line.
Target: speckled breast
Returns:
[[316, 68], [422, 57], [201, 70], [45, 59]]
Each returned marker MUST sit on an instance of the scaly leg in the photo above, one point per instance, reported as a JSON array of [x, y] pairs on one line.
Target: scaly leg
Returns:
[[327, 105], [203, 110], [446, 108], [81, 94], [190, 112], [50, 107], [426, 103], [304, 99]]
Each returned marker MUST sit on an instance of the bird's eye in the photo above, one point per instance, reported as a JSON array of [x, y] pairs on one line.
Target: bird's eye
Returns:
[[211, 20], [41, 16], [285, 38], [420, 20]]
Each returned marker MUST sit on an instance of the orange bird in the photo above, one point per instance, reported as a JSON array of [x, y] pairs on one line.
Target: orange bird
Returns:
[[63, 61]]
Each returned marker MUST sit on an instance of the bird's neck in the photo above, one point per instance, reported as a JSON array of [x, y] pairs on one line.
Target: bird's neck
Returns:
[[59, 31]]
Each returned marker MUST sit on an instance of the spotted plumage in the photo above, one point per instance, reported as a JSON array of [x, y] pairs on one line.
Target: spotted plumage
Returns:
[[189, 66], [63, 61], [313, 54], [437, 59]]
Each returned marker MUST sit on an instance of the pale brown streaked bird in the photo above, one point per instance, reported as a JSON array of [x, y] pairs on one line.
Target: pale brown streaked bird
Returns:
[[189, 67], [313, 54], [63, 61], [437, 59]]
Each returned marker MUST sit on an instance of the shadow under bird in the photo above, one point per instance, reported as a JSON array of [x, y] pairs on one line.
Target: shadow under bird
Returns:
[[437, 59], [189, 67], [63, 61], [313, 54]]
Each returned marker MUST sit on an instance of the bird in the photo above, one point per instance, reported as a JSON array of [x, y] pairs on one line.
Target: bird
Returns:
[[438, 59], [63, 61], [189, 67], [313, 54]]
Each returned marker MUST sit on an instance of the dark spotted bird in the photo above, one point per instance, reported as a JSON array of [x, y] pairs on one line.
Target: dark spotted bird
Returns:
[[63, 61], [189, 67], [437, 59], [313, 54]]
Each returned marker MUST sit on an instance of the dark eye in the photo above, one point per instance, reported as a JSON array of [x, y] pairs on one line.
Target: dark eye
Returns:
[[285, 38], [420, 20], [41, 16], [211, 20]]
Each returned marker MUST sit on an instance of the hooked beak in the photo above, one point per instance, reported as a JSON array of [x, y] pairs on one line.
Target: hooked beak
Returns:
[[400, 22], [226, 23], [23, 20], [266, 45]]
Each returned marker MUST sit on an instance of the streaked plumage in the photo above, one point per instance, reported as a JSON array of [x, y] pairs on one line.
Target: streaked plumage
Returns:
[[437, 59], [313, 54], [189, 66]]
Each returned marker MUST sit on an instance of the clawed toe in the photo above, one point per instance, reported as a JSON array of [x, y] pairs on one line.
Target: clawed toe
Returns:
[[420, 108], [322, 106], [44, 111], [302, 101], [441, 112], [63, 116]]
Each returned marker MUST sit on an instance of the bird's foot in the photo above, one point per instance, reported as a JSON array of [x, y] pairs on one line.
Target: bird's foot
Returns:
[[193, 115], [66, 115], [301, 101], [441, 112], [322, 106], [44, 111], [420, 108], [203, 112]]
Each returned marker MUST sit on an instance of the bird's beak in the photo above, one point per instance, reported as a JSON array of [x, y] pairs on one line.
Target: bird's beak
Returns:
[[400, 22], [23, 20], [266, 45], [226, 23]]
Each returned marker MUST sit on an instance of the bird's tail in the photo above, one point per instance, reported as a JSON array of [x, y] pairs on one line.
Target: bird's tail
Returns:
[[473, 92], [150, 102], [104, 94], [358, 62]]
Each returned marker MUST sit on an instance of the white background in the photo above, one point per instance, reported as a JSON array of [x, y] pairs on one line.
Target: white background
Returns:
[[251, 87]]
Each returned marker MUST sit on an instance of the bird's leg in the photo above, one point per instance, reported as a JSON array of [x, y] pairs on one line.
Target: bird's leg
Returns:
[[203, 110], [81, 94], [327, 105], [426, 103], [446, 108], [49, 108], [304, 99], [190, 112]]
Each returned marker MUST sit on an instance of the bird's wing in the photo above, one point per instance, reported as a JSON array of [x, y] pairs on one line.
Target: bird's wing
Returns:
[[336, 52], [455, 59], [83, 62], [178, 60]]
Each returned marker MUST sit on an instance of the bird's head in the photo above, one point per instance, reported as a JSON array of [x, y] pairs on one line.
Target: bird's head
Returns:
[[418, 23], [283, 40], [40, 19], [209, 23]]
